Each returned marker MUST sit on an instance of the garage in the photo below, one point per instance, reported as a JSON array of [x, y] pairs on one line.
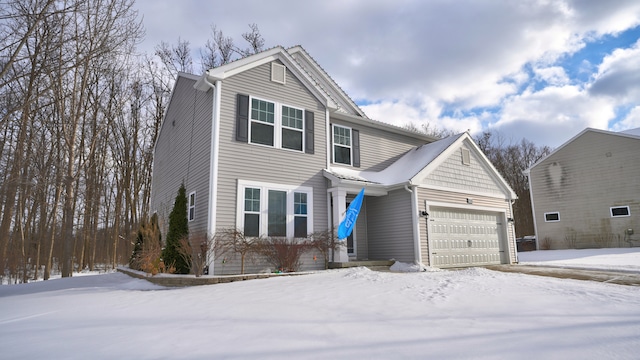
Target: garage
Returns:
[[464, 237]]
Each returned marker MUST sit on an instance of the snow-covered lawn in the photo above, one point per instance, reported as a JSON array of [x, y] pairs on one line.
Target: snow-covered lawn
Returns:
[[341, 314]]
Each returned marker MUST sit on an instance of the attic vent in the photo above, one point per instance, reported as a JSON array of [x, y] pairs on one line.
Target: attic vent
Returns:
[[466, 157], [278, 73]]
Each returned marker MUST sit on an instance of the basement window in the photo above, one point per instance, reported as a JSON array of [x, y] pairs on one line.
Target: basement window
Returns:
[[552, 217], [620, 211]]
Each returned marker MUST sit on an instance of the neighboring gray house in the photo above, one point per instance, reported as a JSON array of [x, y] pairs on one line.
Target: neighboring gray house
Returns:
[[271, 145], [586, 193]]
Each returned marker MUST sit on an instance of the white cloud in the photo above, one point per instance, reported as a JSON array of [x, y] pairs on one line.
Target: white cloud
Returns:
[[554, 114], [441, 61], [631, 120], [553, 75], [619, 76]]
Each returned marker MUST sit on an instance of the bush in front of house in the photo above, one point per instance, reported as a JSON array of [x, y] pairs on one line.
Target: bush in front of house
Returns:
[[178, 229]]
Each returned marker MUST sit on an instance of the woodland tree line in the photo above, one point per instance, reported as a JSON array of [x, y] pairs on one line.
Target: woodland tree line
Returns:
[[80, 110]]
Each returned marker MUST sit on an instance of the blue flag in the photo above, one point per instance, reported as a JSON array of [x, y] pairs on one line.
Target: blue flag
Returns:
[[346, 226]]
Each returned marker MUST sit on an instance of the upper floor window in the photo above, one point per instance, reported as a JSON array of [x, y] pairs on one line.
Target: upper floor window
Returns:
[[292, 128], [272, 124], [276, 125], [262, 122], [342, 145]]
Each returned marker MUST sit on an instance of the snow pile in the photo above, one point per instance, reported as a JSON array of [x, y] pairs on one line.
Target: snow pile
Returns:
[[614, 259], [404, 267], [345, 314]]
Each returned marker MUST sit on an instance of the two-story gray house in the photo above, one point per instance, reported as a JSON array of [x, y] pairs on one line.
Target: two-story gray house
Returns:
[[586, 193], [272, 146]]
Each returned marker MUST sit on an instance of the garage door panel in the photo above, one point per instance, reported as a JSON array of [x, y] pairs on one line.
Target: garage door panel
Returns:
[[461, 237]]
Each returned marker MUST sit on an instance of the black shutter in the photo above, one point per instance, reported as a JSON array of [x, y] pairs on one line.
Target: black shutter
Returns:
[[356, 147], [242, 118], [308, 132]]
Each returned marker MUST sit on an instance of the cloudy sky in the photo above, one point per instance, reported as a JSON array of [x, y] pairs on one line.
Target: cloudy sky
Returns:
[[537, 69]]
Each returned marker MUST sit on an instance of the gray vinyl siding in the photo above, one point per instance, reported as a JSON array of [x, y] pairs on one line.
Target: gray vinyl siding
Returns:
[[362, 247], [390, 234], [582, 181], [459, 200], [453, 174], [182, 154], [379, 148], [243, 161]]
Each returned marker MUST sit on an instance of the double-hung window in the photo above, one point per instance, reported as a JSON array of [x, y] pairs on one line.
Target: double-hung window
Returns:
[[341, 145], [262, 122], [292, 128], [276, 125], [274, 210]]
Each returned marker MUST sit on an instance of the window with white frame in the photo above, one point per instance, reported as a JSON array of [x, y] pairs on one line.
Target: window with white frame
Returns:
[[274, 210], [276, 125], [341, 145], [552, 216], [620, 211], [192, 206]]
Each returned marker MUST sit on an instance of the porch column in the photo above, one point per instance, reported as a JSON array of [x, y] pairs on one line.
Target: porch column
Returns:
[[339, 197]]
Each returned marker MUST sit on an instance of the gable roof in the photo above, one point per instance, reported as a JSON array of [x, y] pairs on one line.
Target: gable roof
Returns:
[[325, 82], [416, 164], [301, 65], [632, 133]]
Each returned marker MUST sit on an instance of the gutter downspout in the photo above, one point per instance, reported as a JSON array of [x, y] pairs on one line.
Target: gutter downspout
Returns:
[[513, 225], [214, 162], [415, 221], [533, 209]]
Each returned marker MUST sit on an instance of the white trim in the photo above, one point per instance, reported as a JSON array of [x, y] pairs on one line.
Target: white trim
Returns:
[[417, 249], [429, 204], [463, 191], [327, 129], [264, 201]]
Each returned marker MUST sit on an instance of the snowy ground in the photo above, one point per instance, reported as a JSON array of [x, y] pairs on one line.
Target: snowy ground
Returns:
[[343, 314]]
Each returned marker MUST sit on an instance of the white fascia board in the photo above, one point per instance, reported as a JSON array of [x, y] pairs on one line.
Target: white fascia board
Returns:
[[278, 53]]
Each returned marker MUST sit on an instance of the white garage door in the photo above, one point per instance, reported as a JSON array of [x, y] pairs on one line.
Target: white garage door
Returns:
[[460, 237]]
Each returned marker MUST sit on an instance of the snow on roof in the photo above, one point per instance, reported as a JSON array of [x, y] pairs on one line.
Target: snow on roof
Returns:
[[635, 132], [402, 170]]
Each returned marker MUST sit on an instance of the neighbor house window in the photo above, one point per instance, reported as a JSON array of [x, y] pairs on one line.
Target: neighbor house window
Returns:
[[276, 125], [552, 217], [192, 206], [341, 145], [274, 209], [619, 211]]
